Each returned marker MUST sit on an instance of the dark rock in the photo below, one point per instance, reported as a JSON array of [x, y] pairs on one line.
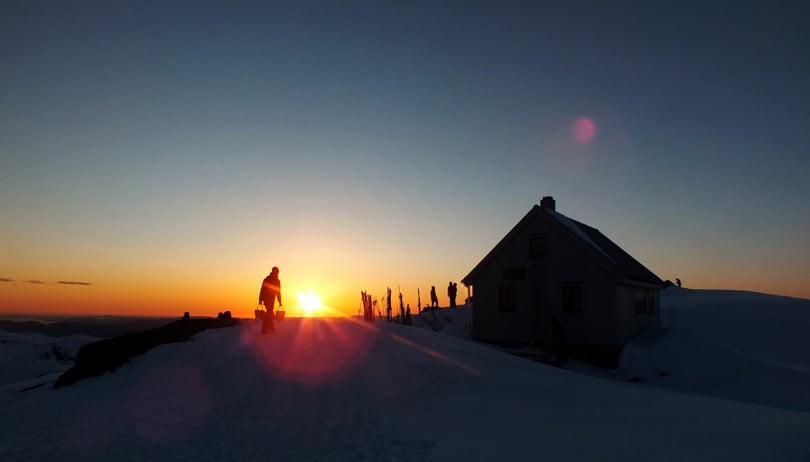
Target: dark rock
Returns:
[[109, 354]]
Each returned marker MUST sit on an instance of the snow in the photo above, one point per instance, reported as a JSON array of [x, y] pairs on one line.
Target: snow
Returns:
[[737, 345], [343, 390], [449, 321], [569, 223], [30, 360]]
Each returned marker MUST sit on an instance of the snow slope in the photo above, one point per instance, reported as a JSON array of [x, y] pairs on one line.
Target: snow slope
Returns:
[[448, 321], [30, 360], [736, 345], [337, 389]]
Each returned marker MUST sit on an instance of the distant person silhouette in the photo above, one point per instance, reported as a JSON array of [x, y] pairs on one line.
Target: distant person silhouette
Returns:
[[452, 290], [271, 289], [434, 299]]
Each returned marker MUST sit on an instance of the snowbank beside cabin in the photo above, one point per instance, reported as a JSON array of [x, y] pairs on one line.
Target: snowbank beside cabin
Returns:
[[736, 345]]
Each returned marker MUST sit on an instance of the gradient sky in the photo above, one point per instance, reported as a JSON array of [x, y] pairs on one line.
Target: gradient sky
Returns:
[[167, 154]]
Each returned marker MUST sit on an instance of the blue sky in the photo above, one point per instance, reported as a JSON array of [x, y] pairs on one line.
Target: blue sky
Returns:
[[385, 143]]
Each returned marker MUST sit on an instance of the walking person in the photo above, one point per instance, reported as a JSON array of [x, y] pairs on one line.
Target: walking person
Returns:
[[434, 299], [271, 289]]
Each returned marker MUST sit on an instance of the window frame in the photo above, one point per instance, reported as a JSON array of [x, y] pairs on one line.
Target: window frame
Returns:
[[639, 301], [505, 308], [580, 287], [515, 273], [533, 251]]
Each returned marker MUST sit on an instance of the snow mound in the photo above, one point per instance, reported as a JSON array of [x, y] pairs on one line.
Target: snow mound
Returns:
[[737, 345], [450, 321]]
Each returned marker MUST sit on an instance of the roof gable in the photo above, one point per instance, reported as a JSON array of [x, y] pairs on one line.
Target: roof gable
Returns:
[[604, 248], [631, 267], [501, 244]]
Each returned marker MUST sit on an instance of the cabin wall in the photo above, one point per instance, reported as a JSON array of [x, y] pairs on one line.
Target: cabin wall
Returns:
[[539, 295]]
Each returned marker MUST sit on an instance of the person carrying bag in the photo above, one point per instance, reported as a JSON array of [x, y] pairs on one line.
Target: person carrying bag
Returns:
[[271, 289]]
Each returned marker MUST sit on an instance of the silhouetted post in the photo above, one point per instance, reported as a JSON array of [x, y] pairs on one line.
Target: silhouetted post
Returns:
[[401, 306], [368, 307], [388, 303], [418, 301], [374, 309]]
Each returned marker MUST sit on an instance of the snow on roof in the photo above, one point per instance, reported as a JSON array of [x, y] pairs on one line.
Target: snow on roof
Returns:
[[592, 237], [570, 224]]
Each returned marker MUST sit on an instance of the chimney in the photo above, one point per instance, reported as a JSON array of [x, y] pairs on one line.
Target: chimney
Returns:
[[547, 202]]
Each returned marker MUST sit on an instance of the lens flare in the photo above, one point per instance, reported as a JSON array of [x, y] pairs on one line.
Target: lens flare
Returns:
[[583, 130], [312, 350]]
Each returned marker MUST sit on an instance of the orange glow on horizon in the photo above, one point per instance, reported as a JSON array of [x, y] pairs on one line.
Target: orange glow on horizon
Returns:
[[207, 289]]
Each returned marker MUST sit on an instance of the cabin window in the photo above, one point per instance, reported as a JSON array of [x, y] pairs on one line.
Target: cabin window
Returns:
[[650, 300], [572, 298], [538, 245], [638, 302], [514, 274], [507, 299], [644, 301]]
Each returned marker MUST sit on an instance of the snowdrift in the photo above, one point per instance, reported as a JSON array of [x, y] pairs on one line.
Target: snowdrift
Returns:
[[737, 345]]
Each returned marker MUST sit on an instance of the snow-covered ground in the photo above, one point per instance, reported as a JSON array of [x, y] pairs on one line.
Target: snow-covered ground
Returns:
[[338, 389], [737, 345], [31, 360]]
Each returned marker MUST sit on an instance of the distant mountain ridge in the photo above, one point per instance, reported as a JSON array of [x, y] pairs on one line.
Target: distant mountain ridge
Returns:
[[108, 326]]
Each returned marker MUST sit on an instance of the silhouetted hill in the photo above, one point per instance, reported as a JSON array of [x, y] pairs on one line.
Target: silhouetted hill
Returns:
[[107, 355], [108, 326]]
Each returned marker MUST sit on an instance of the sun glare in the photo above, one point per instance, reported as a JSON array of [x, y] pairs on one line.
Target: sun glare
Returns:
[[310, 303]]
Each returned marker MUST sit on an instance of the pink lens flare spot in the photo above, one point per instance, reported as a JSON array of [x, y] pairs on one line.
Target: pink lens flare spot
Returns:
[[321, 350], [583, 130]]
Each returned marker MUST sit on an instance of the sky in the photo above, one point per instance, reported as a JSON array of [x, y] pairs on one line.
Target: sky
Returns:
[[165, 155]]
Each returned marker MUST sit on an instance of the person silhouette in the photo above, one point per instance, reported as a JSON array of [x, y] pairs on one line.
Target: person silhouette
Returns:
[[560, 341], [271, 289], [452, 290], [434, 300]]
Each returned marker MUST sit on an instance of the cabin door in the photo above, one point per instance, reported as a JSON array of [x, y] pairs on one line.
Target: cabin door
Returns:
[[538, 286]]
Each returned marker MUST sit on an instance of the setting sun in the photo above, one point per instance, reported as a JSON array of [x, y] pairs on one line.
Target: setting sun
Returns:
[[310, 303]]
